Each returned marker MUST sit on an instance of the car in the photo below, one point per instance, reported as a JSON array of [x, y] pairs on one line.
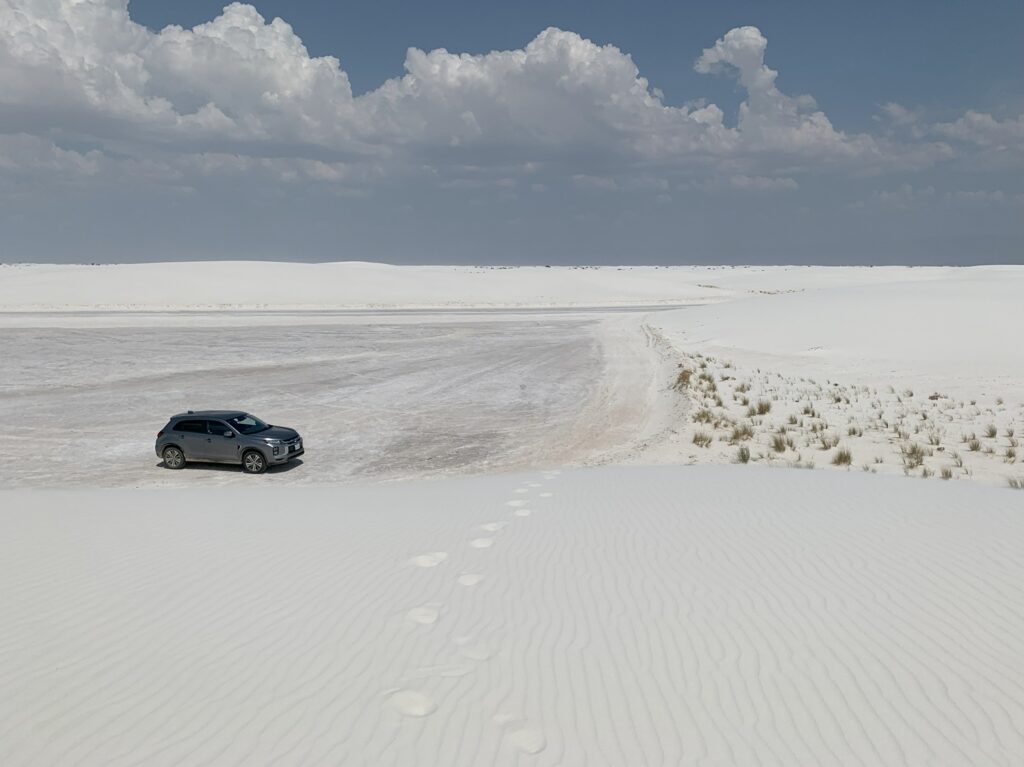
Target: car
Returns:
[[226, 436]]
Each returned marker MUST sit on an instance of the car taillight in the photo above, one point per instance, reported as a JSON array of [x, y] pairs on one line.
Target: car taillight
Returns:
[[159, 434]]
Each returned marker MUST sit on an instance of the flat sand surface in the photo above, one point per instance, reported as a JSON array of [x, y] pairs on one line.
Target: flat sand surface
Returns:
[[708, 615]]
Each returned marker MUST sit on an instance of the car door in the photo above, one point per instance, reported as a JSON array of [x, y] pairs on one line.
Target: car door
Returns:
[[219, 447], [191, 437]]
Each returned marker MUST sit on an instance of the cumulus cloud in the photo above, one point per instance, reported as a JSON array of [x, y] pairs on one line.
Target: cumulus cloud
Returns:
[[240, 85], [985, 130], [769, 120]]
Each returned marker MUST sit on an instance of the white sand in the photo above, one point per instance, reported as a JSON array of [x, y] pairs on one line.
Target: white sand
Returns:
[[715, 615], [612, 616], [260, 284]]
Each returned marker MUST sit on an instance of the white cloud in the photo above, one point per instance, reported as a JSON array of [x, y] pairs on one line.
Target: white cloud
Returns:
[[769, 120], [241, 94], [985, 130], [763, 183]]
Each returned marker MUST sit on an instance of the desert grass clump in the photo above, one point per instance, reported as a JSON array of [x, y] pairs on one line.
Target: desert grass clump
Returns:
[[946, 473], [1010, 455], [743, 387], [991, 431], [854, 431], [843, 457], [702, 439], [764, 407], [974, 444], [913, 455], [743, 454], [828, 441], [683, 379], [779, 443], [741, 432], [957, 459], [792, 420], [926, 472], [1015, 483], [704, 415]]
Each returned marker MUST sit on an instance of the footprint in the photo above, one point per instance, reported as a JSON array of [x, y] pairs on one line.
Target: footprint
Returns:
[[522, 512], [433, 559], [529, 740], [469, 579], [482, 543], [425, 615], [521, 735], [412, 703], [493, 527], [516, 504]]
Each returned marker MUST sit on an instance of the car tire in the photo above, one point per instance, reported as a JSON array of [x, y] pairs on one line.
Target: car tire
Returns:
[[173, 457], [253, 462]]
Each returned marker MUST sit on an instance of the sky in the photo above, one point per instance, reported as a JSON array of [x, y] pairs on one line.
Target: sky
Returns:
[[534, 132]]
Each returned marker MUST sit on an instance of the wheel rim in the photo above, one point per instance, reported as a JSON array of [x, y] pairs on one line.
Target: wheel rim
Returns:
[[173, 458], [254, 462]]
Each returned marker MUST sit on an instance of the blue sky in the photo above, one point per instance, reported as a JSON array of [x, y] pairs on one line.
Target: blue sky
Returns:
[[642, 132]]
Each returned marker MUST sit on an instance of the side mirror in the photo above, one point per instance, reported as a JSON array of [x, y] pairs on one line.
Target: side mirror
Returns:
[[229, 433]]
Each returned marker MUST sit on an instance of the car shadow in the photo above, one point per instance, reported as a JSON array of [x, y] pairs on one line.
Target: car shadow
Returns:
[[281, 468]]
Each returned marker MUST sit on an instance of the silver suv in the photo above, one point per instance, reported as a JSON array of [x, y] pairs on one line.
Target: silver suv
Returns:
[[226, 436]]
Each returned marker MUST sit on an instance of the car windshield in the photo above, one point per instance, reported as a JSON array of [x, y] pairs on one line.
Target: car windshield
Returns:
[[247, 424]]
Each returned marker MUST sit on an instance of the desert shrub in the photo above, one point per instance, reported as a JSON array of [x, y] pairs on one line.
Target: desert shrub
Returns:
[[704, 415], [843, 457], [854, 431], [828, 441], [1009, 433], [947, 473], [991, 431], [1015, 483], [764, 407], [683, 379], [790, 443], [792, 420], [741, 432], [913, 455], [926, 472], [955, 456], [701, 439], [779, 443], [974, 444], [743, 387], [743, 454], [1010, 456]]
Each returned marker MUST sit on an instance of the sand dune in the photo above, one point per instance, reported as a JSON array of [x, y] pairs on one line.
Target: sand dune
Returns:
[[715, 615], [275, 285]]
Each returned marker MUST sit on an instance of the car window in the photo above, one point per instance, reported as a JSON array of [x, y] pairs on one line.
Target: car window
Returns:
[[217, 427], [193, 427], [248, 424]]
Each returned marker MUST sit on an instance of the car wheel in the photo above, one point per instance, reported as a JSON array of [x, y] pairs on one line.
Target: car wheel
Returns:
[[174, 458], [253, 462]]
